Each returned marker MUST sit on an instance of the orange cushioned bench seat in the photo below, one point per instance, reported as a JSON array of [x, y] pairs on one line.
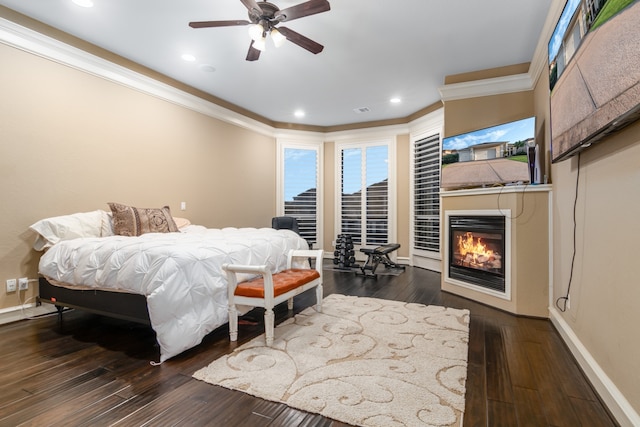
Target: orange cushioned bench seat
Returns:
[[270, 289], [283, 281]]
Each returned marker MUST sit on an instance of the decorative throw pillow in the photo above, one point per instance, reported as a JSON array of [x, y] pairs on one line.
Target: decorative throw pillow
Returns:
[[130, 221]]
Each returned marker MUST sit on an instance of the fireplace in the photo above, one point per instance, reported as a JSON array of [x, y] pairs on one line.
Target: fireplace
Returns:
[[477, 251]]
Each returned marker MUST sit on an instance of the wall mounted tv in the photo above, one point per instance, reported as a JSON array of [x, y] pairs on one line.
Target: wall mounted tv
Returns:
[[488, 157], [594, 73]]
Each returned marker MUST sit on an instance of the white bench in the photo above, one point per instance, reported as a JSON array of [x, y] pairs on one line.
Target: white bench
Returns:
[[269, 290]]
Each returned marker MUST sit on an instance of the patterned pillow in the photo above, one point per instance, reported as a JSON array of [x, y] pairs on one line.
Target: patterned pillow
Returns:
[[130, 221]]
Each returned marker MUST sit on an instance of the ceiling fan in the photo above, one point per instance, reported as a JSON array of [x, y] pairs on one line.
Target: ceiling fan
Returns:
[[263, 18]]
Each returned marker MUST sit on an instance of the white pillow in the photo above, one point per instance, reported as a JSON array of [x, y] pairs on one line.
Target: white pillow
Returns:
[[181, 222], [55, 229]]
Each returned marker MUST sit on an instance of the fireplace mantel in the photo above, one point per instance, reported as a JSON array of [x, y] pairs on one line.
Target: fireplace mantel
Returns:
[[528, 208]]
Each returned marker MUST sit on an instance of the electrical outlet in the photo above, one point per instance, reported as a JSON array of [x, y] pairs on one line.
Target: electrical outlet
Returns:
[[23, 283], [568, 303], [11, 285]]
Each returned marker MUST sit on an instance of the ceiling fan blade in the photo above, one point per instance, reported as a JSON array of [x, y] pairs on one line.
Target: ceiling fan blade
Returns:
[[252, 5], [303, 9], [253, 54], [301, 40], [208, 24]]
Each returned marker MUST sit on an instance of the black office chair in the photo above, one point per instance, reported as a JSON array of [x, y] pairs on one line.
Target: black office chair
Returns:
[[289, 223], [286, 223]]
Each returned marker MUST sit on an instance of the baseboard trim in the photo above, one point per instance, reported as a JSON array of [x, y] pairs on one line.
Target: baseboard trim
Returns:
[[21, 312], [620, 408]]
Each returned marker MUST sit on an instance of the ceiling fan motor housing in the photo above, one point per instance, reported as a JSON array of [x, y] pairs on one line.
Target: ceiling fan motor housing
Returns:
[[268, 13]]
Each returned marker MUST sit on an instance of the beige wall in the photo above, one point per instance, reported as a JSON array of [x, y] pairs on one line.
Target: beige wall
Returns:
[[465, 115], [603, 312], [605, 288], [71, 142]]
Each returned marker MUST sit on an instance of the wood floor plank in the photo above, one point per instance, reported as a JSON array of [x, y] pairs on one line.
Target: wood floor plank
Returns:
[[73, 409], [591, 413], [59, 399], [563, 363], [498, 377], [161, 405], [517, 358], [557, 405], [92, 371], [501, 414], [475, 411], [529, 408], [136, 402]]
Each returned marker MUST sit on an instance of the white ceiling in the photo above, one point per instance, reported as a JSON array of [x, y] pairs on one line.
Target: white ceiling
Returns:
[[373, 50]]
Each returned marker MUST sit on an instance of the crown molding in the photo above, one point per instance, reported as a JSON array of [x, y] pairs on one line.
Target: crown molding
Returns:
[[514, 83], [17, 36], [486, 87], [27, 40]]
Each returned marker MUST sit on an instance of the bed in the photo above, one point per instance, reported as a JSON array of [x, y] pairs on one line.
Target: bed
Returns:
[[172, 280]]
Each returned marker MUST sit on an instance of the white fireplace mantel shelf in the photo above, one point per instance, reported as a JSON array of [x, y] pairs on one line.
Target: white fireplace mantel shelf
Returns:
[[507, 189], [529, 210]]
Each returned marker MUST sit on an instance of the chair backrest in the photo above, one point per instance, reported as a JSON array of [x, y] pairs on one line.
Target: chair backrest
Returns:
[[285, 222]]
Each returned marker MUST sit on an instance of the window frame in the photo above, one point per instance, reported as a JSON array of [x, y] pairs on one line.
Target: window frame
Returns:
[[301, 144], [427, 127], [391, 143]]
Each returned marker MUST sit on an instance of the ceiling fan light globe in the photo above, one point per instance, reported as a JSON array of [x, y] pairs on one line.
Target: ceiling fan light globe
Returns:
[[255, 31], [277, 37], [260, 44]]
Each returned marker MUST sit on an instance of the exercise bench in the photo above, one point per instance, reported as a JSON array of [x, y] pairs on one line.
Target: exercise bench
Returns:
[[378, 255], [270, 289]]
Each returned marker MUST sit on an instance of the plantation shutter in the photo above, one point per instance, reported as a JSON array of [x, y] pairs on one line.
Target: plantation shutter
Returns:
[[377, 195], [364, 194], [427, 194], [300, 189], [351, 194]]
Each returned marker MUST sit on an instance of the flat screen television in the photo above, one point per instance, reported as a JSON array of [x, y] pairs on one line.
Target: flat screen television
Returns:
[[594, 73], [488, 157]]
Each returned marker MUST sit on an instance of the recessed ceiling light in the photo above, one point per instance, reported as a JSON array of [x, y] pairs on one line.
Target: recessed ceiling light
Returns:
[[395, 100], [84, 3], [188, 57], [299, 113]]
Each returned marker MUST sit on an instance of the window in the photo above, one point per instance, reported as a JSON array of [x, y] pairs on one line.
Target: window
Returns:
[[426, 195], [299, 166], [364, 193]]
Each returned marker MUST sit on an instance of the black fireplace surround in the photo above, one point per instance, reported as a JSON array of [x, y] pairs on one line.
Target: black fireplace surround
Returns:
[[477, 250]]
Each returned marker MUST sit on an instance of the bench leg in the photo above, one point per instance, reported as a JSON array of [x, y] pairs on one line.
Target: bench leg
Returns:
[[268, 326], [319, 293], [233, 323], [290, 303]]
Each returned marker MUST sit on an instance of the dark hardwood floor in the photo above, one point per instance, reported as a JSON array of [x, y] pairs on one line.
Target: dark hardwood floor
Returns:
[[95, 371]]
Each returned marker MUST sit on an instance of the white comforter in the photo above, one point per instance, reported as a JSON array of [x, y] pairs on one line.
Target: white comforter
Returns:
[[180, 273]]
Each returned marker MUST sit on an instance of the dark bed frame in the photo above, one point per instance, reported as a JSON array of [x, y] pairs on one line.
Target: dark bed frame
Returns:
[[120, 305]]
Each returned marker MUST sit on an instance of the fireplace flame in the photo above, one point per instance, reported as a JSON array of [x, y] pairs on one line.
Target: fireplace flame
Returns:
[[467, 244]]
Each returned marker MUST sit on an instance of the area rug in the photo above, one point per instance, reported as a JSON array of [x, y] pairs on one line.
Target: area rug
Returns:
[[362, 361]]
